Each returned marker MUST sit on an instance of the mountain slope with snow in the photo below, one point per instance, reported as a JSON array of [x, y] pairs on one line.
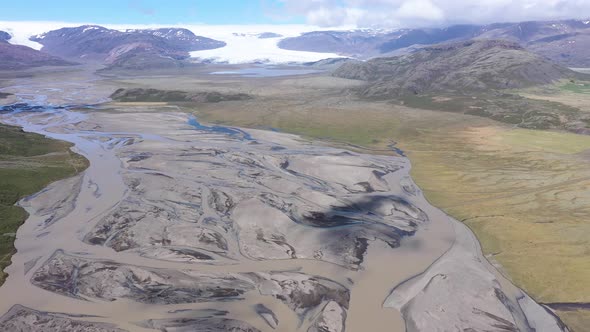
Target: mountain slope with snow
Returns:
[[245, 43], [94, 42], [17, 57]]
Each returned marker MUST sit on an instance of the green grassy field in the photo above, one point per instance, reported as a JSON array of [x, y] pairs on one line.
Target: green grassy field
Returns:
[[576, 87], [574, 94], [28, 163]]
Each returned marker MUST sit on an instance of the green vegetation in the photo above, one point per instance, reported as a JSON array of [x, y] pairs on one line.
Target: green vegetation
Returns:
[[551, 142], [526, 200], [476, 78], [575, 94], [155, 95], [28, 163], [460, 67], [576, 87], [508, 108]]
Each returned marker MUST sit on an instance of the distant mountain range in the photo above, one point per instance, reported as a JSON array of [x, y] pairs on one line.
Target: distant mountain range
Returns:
[[92, 43], [566, 42]]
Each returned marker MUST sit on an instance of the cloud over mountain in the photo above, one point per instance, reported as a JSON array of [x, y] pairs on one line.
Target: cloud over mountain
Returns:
[[419, 13]]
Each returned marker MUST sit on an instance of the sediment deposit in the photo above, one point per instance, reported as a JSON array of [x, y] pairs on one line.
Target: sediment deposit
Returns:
[[179, 226]]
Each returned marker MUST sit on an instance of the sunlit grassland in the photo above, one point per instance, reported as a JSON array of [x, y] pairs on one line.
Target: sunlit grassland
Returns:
[[528, 203], [576, 320], [576, 87], [575, 94]]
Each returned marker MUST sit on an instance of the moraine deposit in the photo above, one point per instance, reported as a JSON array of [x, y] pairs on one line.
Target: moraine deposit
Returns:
[[177, 226]]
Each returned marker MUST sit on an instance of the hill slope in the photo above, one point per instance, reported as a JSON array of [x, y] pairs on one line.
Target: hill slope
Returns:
[[15, 57], [476, 65], [470, 77], [4, 37], [155, 95]]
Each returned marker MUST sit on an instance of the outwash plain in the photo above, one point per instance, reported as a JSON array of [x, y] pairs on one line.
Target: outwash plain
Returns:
[[289, 204]]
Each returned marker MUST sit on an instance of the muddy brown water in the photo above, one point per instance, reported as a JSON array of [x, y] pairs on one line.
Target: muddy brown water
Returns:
[[383, 269]]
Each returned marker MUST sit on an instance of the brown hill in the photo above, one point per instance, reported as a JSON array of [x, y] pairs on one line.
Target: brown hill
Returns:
[[475, 65]]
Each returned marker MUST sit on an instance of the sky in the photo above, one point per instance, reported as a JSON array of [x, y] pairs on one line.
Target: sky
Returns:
[[325, 13], [217, 12]]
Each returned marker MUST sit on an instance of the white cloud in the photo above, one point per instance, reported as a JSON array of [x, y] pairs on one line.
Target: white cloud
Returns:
[[416, 13], [420, 9]]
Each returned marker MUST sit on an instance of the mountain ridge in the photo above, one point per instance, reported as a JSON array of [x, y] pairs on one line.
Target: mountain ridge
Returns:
[[474, 77], [17, 57], [566, 42], [94, 43], [474, 65]]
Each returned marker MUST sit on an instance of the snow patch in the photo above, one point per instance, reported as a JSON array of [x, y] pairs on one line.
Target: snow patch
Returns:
[[21, 31], [245, 46], [92, 27]]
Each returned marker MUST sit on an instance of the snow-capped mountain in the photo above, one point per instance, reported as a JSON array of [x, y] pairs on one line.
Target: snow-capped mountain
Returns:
[[249, 43], [566, 42], [93, 42], [16, 57]]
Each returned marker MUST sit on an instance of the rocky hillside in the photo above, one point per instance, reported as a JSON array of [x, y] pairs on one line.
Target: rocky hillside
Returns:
[[16, 57], [4, 37], [96, 43], [476, 65], [565, 42], [470, 77]]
